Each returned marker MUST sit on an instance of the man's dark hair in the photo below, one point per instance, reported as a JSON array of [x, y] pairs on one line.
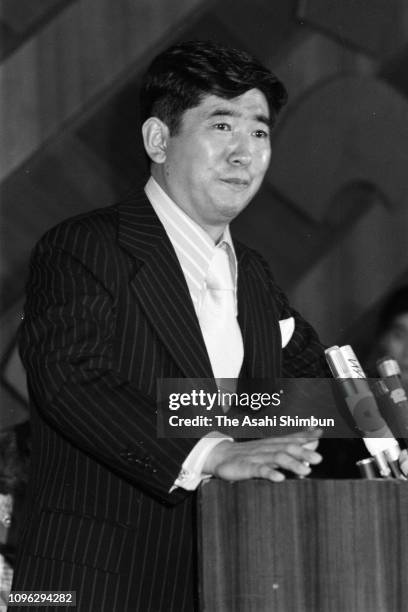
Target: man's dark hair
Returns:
[[181, 76]]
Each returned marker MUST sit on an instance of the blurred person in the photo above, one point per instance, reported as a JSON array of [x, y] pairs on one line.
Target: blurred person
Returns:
[[14, 460], [392, 334]]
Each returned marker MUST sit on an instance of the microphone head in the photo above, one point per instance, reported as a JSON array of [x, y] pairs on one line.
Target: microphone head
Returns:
[[387, 366], [336, 362], [353, 364]]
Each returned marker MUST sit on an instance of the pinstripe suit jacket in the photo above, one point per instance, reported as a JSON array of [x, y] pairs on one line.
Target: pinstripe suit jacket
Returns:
[[107, 313]]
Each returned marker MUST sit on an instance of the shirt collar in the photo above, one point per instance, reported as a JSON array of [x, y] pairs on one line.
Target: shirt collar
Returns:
[[194, 247]]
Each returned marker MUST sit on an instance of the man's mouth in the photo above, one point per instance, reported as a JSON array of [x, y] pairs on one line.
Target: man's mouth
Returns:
[[238, 183]]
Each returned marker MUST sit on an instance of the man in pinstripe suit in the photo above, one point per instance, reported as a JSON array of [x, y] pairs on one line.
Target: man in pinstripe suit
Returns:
[[115, 302]]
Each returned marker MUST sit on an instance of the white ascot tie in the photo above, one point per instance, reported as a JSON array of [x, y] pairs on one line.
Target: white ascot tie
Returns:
[[218, 318]]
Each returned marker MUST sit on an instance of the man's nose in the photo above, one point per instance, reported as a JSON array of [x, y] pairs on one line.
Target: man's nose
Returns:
[[240, 154]]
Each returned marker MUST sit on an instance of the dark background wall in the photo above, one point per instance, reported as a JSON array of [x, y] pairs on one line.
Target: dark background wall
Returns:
[[332, 217]]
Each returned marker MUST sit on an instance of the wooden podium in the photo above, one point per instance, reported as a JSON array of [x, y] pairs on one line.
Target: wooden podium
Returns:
[[303, 546]]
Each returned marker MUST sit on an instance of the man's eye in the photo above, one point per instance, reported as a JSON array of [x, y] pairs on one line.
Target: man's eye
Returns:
[[261, 134], [224, 127]]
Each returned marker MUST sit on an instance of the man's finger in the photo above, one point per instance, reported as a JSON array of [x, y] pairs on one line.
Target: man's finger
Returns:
[[404, 462], [269, 473]]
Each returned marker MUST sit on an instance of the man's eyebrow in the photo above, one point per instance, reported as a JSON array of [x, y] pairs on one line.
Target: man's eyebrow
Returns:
[[226, 112]]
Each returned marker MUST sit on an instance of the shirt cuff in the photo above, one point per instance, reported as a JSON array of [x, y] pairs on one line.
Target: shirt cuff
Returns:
[[191, 473]]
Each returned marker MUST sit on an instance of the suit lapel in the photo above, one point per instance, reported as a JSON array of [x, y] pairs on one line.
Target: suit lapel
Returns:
[[160, 287], [162, 292], [258, 320]]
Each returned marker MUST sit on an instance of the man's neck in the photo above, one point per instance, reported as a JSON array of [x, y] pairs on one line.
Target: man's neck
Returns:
[[214, 231]]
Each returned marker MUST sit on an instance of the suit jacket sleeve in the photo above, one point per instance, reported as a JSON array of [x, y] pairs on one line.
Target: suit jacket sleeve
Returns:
[[66, 345]]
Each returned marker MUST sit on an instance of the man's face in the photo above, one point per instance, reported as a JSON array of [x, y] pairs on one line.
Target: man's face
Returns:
[[216, 162], [395, 343]]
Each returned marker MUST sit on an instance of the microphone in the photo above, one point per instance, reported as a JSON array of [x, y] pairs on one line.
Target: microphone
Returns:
[[354, 387], [393, 401]]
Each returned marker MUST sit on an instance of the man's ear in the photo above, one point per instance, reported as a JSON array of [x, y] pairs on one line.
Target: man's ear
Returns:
[[155, 137]]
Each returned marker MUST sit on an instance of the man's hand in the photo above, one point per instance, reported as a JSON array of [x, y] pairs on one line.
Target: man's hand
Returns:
[[263, 458]]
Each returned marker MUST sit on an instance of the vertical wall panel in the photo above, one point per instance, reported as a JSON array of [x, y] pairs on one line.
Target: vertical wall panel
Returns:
[[82, 51]]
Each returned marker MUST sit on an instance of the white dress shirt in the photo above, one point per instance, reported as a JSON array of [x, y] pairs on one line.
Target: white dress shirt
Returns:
[[195, 249]]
